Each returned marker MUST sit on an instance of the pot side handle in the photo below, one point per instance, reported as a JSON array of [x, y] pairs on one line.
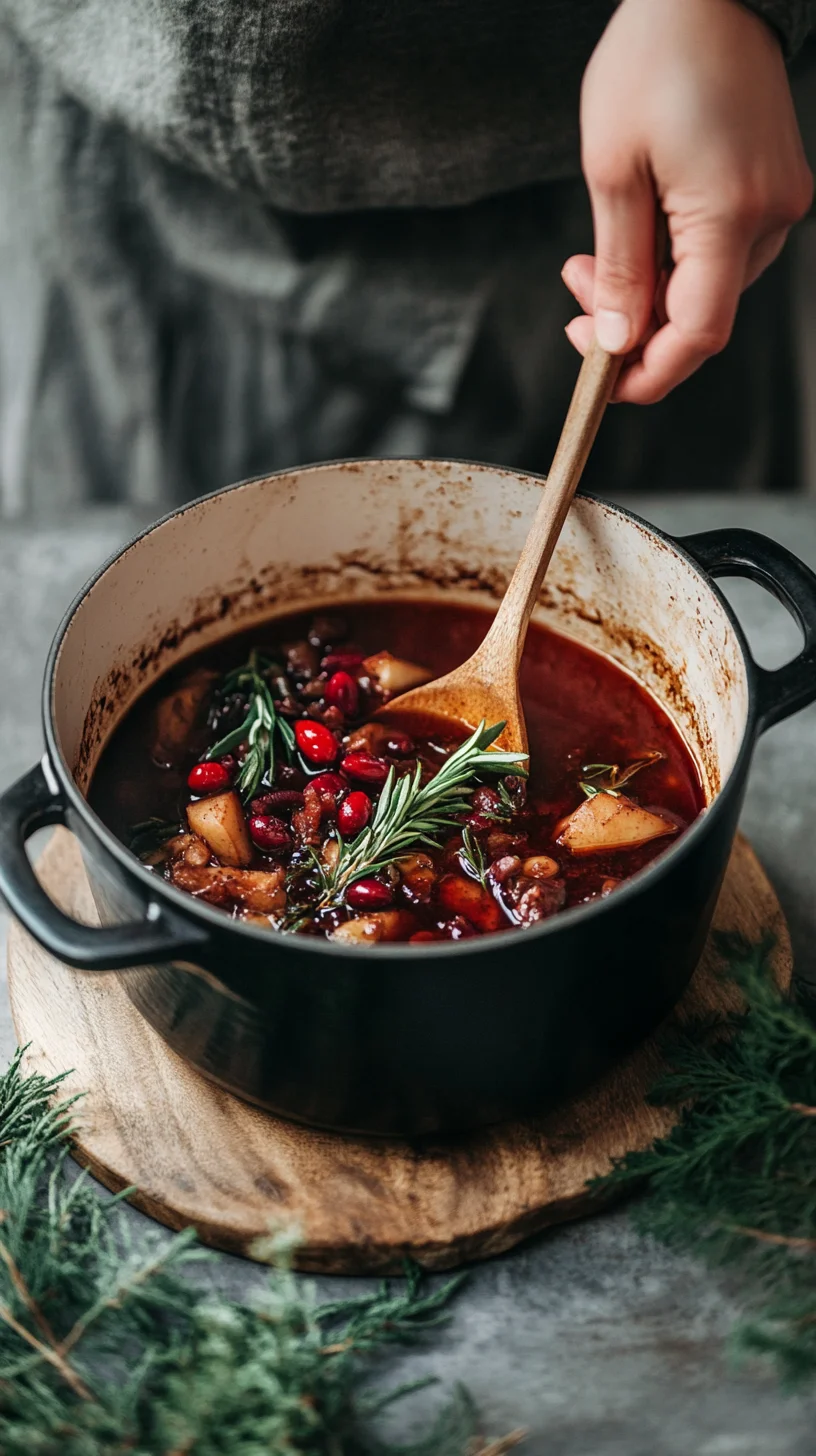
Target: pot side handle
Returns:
[[737, 552], [30, 804]]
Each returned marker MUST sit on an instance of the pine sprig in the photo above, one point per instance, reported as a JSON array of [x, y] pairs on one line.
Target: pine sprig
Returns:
[[734, 1180], [411, 813], [108, 1348], [259, 727]]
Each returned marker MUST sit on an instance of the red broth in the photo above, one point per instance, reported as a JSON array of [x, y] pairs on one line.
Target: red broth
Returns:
[[513, 857]]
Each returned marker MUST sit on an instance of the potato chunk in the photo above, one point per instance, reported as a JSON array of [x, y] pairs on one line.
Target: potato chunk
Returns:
[[220, 822], [384, 925], [394, 674], [608, 822]]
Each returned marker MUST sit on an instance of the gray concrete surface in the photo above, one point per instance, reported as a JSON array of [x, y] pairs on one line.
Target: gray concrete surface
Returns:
[[599, 1342]]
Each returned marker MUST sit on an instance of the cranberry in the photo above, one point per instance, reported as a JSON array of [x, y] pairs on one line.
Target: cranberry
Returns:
[[209, 778], [342, 661], [400, 745], [270, 834], [316, 742], [365, 767], [354, 812], [369, 894], [343, 693], [329, 786], [230, 763], [277, 799], [479, 823]]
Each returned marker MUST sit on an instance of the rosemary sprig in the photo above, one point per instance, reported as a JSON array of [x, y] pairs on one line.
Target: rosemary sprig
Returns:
[[472, 856], [259, 727], [151, 834], [607, 778], [410, 813]]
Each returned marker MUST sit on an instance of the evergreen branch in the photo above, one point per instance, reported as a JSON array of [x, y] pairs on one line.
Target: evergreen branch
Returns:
[[106, 1349], [734, 1181], [411, 813]]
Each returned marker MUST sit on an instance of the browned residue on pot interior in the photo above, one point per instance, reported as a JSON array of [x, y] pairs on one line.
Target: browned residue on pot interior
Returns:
[[356, 576]]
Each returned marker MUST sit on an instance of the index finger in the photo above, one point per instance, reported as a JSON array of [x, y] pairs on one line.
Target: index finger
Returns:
[[701, 302]]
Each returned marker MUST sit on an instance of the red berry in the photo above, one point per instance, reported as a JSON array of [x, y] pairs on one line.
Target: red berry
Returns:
[[269, 833], [354, 812], [479, 823], [329, 786], [365, 767], [343, 693], [369, 894], [209, 778], [316, 742], [400, 745], [230, 763], [344, 661]]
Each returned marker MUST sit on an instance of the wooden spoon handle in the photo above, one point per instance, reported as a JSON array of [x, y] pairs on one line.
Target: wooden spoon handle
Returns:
[[504, 643], [500, 653]]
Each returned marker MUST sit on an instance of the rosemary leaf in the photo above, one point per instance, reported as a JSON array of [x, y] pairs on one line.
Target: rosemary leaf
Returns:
[[259, 728], [410, 813]]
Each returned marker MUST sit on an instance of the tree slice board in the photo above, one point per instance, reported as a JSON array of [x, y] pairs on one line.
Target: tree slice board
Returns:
[[195, 1154]]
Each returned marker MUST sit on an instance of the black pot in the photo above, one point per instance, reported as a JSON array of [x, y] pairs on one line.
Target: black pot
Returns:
[[404, 1039]]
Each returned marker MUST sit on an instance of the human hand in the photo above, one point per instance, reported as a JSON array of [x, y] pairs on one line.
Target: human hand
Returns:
[[685, 103]]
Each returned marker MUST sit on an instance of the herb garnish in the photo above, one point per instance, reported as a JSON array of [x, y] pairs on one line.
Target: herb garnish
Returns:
[[259, 727], [151, 834], [410, 812], [606, 778], [472, 856]]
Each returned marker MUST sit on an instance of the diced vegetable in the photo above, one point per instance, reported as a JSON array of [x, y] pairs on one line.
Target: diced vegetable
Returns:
[[609, 822], [466, 897], [394, 674], [385, 925], [220, 822]]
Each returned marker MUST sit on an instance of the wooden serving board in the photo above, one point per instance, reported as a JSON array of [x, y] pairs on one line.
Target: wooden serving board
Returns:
[[197, 1155]]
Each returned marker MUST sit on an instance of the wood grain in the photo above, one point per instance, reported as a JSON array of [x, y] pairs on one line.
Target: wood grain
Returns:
[[197, 1155], [486, 685]]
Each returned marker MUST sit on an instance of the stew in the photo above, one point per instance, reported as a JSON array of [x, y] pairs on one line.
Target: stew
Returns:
[[254, 778]]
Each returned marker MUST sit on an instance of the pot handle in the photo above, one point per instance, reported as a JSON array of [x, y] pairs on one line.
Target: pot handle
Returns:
[[736, 552], [31, 804]]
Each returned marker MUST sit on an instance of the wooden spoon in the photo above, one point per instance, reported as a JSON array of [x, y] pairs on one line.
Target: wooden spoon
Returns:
[[486, 686]]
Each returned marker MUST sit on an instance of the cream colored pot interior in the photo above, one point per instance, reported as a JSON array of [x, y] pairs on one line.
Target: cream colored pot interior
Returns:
[[362, 529]]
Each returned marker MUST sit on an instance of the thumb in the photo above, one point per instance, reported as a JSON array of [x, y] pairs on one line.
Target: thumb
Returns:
[[624, 218]]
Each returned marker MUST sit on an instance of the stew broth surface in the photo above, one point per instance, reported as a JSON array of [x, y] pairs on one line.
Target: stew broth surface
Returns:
[[582, 712]]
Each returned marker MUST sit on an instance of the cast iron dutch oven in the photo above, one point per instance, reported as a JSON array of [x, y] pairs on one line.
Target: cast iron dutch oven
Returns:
[[404, 1039]]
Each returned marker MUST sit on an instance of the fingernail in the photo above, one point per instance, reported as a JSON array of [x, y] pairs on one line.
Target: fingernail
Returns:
[[612, 330]]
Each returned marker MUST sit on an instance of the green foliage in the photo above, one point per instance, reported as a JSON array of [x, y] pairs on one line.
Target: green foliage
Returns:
[[736, 1179], [411, 813], [106, 1348]]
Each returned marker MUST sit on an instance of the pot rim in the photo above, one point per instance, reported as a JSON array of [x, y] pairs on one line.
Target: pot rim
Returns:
[[500, 940]]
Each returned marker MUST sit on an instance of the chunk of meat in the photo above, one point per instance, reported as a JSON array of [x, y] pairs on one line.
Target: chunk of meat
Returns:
[[179, 715], [383, 925], [371, 738], [395, 674], [608, 822], [220, 822], [260, 891], [538, 900], [306, 821]]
